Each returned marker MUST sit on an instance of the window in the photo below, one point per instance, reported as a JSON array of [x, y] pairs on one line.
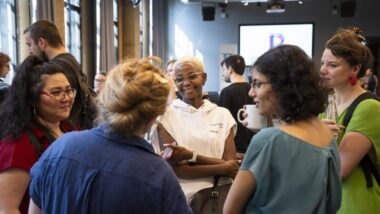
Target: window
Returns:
[[8, 38], [115, 29], [141, 18], [97, 35], [34, 11], [72, 30]]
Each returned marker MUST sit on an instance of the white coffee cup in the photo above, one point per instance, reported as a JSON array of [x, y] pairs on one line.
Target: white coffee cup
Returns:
[[254, 119]]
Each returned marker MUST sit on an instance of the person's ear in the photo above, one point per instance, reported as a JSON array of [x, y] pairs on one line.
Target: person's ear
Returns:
[[42, 43], [231, 70], [355, 70]]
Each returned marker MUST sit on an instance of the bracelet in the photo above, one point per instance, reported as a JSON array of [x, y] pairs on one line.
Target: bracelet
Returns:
[[194, 158]]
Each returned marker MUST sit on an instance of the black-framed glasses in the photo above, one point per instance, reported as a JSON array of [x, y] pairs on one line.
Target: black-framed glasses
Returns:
[[190, 77], [60, 95], [257, 84]]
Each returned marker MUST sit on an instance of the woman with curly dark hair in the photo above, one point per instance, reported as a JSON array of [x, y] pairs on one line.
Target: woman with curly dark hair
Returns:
[[32, 115], [297, 161]]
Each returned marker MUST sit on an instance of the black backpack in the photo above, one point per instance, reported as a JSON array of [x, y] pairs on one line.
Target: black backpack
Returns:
[[368, 167]]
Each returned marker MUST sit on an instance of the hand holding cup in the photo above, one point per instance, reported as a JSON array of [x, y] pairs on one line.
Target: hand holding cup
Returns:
[[252, 118]]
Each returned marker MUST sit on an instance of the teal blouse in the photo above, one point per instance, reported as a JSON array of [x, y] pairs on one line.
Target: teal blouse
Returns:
[[292, 176]]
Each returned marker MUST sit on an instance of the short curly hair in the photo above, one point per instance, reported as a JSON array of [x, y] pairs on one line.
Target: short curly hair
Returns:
[[348, 44], [135, 92], [295, 82], [192, 61]]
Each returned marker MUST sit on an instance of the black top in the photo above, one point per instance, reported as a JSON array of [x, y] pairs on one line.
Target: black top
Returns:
[[234, 97]]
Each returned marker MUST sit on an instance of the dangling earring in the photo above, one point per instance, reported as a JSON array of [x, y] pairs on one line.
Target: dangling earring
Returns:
[[353, 79], [34, 112]]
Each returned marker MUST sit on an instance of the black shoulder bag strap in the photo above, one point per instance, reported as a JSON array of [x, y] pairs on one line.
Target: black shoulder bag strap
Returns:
[[34, 141], [366, 164]]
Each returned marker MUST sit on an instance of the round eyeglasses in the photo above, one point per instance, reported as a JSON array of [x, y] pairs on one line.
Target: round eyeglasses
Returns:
[[190, 77], [257, 84], [61, 94]]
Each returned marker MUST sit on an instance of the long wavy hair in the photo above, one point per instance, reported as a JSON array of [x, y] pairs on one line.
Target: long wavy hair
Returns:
[[295, 82], [17, 112]]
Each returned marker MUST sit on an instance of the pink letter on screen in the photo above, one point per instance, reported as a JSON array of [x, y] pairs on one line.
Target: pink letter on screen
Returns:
[[276, 40]]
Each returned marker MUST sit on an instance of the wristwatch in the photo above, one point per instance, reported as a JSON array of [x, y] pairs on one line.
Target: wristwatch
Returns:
[[194, 158]]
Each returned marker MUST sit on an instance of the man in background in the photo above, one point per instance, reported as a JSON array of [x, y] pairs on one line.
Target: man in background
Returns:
[[99, 81], [44, 41], [235, 96], [371, 81]]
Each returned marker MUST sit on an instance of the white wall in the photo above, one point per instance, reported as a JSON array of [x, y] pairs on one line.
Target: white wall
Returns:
[[206, 37]]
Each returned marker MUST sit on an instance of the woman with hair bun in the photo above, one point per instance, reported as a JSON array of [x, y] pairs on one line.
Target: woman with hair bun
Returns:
[[111, 168], [344, 61]]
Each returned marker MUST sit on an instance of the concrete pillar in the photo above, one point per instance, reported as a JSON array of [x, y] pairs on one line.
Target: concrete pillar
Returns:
[[129, 31], [23, 21], [146, 36], [59, 18], [88, 34]]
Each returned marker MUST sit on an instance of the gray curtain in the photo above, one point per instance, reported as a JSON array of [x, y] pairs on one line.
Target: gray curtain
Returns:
[[107, 46], [5, 25], [159, 29], [45, 10]]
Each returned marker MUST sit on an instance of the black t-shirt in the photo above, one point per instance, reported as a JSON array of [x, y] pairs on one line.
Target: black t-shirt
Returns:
[[234, 97]]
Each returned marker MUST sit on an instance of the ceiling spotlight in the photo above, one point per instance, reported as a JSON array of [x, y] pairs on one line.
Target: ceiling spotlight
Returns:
[[300, 2], [276, 7], [245, 3]]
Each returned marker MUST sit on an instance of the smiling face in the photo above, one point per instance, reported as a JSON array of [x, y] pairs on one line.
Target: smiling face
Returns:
[[262, 94], [335, 71], [50, 109], [189, 83]]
